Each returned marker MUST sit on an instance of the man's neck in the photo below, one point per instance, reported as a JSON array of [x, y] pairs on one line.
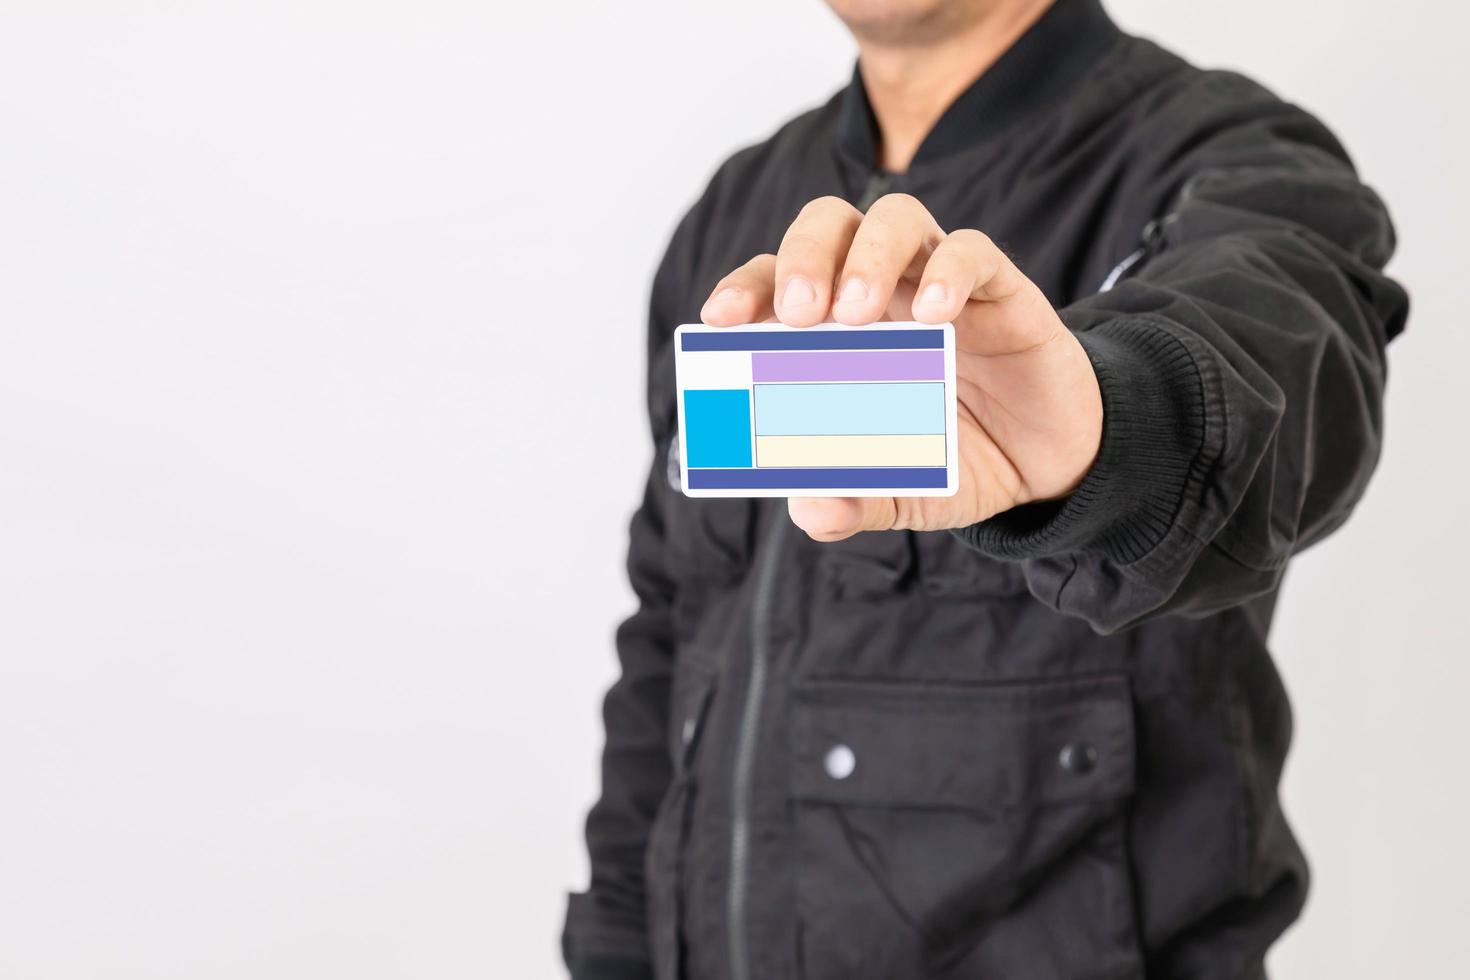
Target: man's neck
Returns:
[[910, 86]]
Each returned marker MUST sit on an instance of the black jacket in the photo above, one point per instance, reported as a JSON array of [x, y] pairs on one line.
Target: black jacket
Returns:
[[1063, 726]]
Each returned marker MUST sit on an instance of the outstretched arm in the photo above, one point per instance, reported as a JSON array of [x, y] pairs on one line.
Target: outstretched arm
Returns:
[[1163, 447]]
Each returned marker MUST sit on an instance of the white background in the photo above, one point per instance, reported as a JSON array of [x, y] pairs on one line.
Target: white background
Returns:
[[320, 421]]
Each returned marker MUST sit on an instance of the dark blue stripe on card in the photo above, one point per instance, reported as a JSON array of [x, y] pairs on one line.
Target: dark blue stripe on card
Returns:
[[812, 339], [824, 478]]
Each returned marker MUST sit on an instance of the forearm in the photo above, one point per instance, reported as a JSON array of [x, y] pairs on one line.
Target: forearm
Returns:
[[1242, 377]]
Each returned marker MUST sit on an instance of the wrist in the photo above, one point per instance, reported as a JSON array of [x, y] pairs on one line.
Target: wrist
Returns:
[[1152, 427]]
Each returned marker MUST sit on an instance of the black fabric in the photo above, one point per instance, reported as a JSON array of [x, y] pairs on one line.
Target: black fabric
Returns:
[[1061, 729]]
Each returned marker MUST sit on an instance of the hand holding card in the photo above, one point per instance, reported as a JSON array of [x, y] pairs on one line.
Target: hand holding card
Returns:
[[1029, 414]]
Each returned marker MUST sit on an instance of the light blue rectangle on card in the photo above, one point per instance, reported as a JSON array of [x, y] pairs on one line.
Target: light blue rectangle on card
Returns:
[[887, 409]]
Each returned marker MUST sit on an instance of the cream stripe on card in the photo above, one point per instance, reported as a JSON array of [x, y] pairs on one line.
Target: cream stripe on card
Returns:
[[922, 450]]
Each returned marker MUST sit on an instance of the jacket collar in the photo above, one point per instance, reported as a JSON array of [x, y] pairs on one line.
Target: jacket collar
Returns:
[[1043, 64]]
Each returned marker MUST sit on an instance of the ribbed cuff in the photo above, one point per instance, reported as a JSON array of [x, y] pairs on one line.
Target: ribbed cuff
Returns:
[[611, 968], [1153, 432]]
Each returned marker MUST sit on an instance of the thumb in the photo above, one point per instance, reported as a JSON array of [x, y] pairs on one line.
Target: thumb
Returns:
[[835, 518]]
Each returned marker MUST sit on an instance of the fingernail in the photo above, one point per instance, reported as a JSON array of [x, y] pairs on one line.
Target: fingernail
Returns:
[[934, 294], [798, 292], [854, 292], [716, 304]]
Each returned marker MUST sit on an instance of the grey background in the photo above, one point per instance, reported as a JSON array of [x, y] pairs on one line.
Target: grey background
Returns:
[[320, 422]]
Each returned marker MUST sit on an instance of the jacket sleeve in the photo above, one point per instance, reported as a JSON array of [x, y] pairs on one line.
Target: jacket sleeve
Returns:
[[1241, 367], [605, 936]]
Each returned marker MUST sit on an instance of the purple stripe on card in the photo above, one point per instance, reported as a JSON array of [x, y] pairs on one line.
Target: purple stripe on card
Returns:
[[849, 365]]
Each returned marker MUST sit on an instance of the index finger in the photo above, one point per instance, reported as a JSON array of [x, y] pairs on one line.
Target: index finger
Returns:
[[895, 240]]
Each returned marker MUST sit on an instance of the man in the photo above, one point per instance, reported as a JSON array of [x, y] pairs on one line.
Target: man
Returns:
[[1031, 731]]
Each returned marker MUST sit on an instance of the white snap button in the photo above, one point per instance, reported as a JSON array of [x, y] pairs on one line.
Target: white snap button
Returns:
[[839, 762]]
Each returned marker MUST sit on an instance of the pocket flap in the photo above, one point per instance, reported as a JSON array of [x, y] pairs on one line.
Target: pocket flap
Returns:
[[975, 747]]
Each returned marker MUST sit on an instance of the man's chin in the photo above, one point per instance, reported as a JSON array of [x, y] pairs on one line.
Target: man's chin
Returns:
[[905, 21]]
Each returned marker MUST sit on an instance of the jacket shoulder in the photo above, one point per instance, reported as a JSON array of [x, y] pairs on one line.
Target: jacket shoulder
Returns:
[[1184, 105]]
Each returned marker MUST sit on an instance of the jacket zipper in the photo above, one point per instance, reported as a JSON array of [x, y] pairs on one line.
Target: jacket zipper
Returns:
[[1152, 233], [745, 746], [750, 712]]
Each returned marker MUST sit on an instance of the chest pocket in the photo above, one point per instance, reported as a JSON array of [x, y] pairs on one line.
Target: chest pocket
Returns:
[[962, 830]]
